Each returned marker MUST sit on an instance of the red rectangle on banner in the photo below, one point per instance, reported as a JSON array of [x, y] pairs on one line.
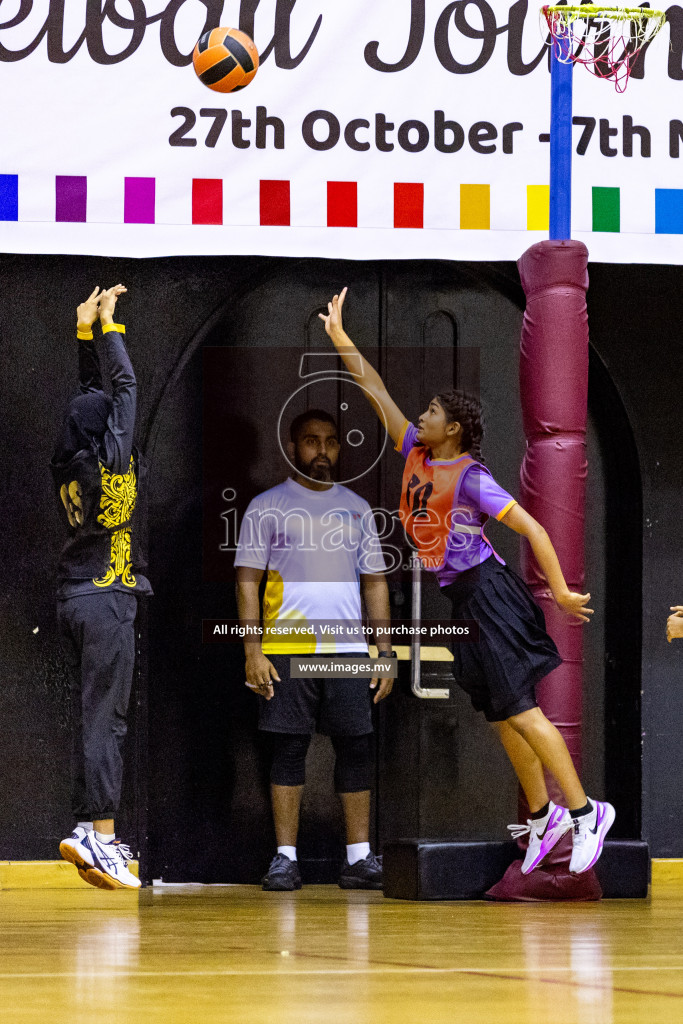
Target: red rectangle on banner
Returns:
[[275, 203], [408, 205], [207, 201], [342, 204]]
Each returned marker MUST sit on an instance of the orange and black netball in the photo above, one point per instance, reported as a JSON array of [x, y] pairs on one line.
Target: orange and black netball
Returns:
[[225, 59]]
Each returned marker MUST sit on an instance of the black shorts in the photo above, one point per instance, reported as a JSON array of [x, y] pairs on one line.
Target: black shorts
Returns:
[[333, 707], [500, 672]]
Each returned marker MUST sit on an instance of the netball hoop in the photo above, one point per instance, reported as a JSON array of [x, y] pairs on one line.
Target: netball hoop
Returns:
[[607, 40]]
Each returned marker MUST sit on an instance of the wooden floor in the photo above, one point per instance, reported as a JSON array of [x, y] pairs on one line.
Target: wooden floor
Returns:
[[205, 954]]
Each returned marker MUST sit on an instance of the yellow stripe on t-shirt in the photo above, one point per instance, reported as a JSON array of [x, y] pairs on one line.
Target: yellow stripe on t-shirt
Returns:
[[504, 511], [399, 443]]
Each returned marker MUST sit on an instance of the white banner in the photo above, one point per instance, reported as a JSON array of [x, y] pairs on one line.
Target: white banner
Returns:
[[384, 129]]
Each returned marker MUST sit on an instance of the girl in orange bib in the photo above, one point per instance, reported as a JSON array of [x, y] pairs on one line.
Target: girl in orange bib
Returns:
[[447, 496]]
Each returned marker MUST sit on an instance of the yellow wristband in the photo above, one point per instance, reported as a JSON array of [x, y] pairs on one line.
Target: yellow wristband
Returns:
[[119, 328], [84, 332]]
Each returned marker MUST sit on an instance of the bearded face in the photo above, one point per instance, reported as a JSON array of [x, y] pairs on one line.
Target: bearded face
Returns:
[[316, 451]]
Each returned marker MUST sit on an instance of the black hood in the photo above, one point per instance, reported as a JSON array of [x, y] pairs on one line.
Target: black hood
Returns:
[[85, 422]]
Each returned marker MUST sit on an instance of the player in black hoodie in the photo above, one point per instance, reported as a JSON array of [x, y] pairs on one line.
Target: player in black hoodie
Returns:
[[99, 479]]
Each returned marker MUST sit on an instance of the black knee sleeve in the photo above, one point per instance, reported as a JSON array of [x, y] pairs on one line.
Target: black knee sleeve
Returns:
[[288, 767], [353, 766]]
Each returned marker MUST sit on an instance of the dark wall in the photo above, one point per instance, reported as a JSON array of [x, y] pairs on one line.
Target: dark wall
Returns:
[[177, 306], [635, 314]]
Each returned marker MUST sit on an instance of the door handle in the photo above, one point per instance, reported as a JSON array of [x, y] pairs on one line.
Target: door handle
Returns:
[[424, 692]]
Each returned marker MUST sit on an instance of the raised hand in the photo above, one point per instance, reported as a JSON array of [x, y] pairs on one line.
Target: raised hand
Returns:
[[333, 321], [88, 311], [108, 302], [674, 624]]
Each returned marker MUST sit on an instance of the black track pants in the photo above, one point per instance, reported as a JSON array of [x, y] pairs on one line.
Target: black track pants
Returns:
[[98, 637]]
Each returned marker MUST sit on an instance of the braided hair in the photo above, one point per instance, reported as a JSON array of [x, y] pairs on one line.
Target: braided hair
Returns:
[[465, 409]]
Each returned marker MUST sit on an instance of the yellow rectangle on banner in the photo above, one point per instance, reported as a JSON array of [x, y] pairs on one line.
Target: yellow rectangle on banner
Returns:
[[538, 207], [475, 207]]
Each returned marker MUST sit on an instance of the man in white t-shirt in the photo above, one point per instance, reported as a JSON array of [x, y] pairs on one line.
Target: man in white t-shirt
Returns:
[[318, 543]]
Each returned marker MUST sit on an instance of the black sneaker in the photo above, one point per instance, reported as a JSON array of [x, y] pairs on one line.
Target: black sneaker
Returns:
[[364, 874], [283, 875]]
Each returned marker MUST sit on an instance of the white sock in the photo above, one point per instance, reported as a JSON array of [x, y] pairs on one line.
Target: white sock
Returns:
[[289, 851], [102, 838], [87, 825], [357, 851]]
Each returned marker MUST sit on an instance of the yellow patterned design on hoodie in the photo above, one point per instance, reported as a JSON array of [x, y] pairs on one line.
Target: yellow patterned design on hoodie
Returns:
[[119, 494]]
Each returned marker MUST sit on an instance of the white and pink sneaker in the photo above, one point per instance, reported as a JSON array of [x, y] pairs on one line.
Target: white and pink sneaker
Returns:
[[544, 833], [588, 836]]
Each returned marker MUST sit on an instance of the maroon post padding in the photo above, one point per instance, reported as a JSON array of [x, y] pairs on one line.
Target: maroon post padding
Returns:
[[553, 384]]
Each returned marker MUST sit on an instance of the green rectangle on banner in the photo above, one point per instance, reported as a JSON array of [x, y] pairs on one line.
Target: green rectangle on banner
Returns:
[[606, 209]]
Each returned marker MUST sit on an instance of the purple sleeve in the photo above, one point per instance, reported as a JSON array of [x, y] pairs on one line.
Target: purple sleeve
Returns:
[[407, 439], [481, 491]]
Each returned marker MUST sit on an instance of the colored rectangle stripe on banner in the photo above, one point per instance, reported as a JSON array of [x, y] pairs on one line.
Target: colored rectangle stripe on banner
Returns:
[[538, 207], [9, 197], [475, 207], [409, 200], [606, 209], [207, 200], [71, 198], [275, 203], [342, 204], [138, 200], [669, 211]]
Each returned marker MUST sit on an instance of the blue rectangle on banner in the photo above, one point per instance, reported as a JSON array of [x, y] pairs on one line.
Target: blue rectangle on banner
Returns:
[[9, 197], [669, 211]]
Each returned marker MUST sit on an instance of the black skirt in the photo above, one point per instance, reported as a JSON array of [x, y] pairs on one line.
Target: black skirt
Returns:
[[514, 651]]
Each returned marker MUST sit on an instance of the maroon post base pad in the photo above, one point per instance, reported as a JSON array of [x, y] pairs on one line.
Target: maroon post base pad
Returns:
[[545, 883]]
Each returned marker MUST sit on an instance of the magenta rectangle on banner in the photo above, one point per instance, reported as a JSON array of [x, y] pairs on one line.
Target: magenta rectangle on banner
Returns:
[[138, 203], [71, 198]]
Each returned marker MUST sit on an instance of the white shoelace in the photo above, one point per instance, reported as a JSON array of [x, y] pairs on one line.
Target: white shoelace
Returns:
[[124, 850], [521, 830]]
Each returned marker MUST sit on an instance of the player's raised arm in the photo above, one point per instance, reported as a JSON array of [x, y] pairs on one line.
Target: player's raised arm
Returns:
[[118, 439], [378, 396], [89, 373]]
